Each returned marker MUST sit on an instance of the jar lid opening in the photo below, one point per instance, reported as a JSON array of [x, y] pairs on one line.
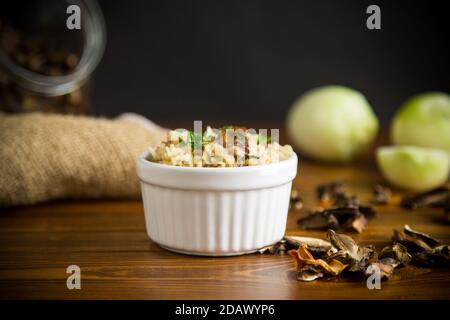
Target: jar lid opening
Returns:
[[93, 46]]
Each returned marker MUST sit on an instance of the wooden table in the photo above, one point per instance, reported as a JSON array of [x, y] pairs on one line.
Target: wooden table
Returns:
[[107, 239]]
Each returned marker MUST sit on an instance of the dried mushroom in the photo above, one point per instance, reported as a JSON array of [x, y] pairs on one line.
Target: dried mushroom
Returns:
[[381, 194], [437, 198], [343, 200], [349, 252], [425, 250], [397, 252], [345, 212], [349, 218], [411, 242], [329, 191], [277, 248], [319, 220], [315, 258], [386, 267], [367, 211], [309, 268], [359, 224], [317, 247], [423, 236], [438, 256]]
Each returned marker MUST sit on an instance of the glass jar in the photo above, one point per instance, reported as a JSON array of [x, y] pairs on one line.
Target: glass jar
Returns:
[[45, 66]]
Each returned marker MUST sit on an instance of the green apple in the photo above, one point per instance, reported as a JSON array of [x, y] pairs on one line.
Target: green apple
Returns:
[[414, 168], [332, 123], [423, 120]]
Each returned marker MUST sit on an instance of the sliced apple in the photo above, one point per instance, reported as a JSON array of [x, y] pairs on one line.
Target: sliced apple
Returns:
[[414, 168]]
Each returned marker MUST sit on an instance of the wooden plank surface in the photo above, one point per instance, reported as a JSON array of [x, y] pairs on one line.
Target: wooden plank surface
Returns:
[[107, 239]]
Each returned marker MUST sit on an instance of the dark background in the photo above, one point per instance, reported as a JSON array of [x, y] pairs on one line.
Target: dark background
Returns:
[[249, 60]]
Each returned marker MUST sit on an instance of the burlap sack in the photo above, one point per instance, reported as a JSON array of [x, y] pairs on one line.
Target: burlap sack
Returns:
[[45, 157]]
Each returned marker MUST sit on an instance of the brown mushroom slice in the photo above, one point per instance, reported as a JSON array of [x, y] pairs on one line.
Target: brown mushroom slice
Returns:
[[349, 252], [319, 220], [345, 243], [410, 241], [349, 218], [316, 246], [276, 248], [343, 200], [397, 252], [309, 268], [438, 256], [367, 210], [381, 194], [329, 191], [359, 224], [436, 198], [309, 273], [385, 266], [423, 236], [343, 214], [337, 267]]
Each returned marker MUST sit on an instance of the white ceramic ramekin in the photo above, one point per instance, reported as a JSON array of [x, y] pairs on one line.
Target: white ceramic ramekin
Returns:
[[216, 211]]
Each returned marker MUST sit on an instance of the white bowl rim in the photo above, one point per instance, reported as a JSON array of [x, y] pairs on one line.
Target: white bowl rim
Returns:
[[217, 179], [163, 166]]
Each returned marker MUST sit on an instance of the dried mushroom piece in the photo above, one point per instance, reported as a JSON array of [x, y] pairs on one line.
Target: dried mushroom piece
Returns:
[[426, 251], [318, 220], [423, 236], [385, 266], [368, 211], [397, 252], [317, 247], [343, 200], [411, 242], [436, 198], [343, 242], [345, 212], [309, 273], [329, 191], [309, 268], [276, 248], [349, 218], [349, 252], [438, 256], [381, 194], [359, 224], [346, 217]]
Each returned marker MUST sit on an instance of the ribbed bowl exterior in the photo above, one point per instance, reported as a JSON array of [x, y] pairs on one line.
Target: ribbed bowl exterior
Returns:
[[215, 222]]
